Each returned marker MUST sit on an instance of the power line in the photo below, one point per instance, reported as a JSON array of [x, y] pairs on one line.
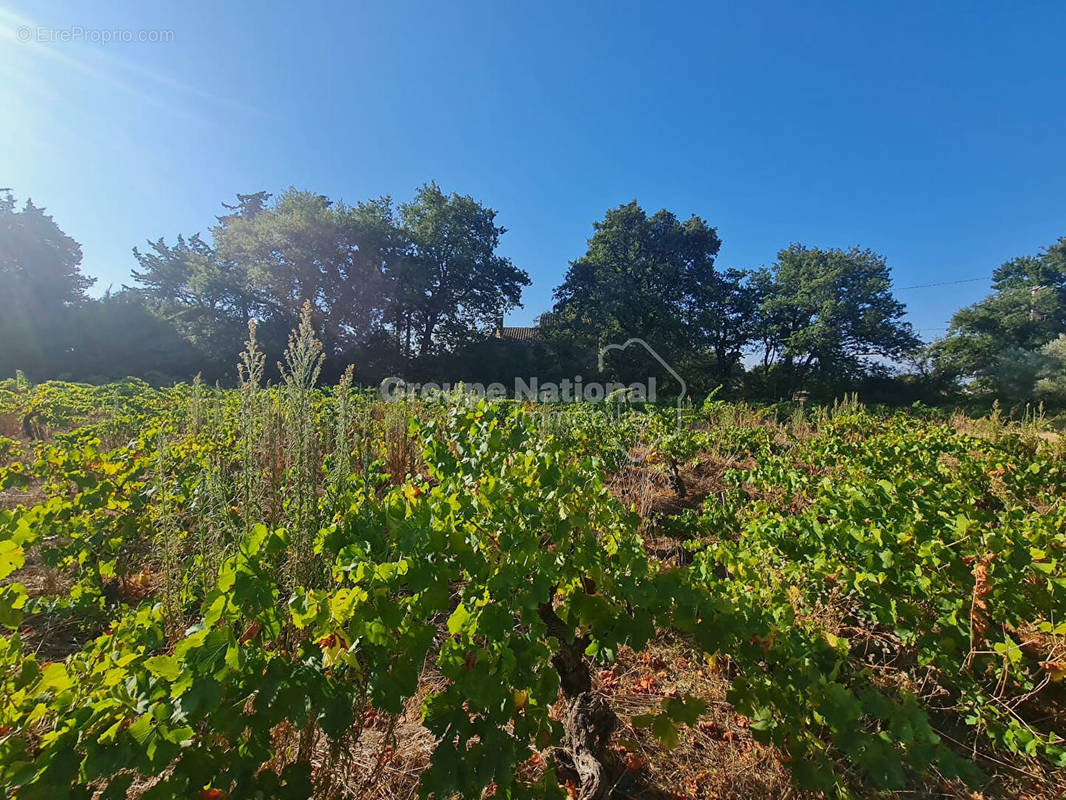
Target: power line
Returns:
[[942, 283]]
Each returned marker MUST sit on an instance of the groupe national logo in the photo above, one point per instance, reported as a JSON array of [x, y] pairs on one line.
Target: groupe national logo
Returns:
[[576, 389], [566, 391], [683, 390]]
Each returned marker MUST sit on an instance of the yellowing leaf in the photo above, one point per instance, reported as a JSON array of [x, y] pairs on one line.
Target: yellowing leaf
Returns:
[[11, 557], [165, 667], [54, 677]]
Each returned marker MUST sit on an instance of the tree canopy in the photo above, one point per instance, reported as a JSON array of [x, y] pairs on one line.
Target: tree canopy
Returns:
[[1026, 311], [40, 278], [451, 283], [827, 313], [416, 279], [654, 277], [416, 289]]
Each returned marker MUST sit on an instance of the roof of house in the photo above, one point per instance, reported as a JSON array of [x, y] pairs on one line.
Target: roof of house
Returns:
[[518, 334]]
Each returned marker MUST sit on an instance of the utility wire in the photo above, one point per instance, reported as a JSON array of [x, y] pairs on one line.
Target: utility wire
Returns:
[[942, 283]]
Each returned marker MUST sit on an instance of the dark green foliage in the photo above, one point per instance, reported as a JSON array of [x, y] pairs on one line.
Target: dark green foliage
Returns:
[[825, 315], [117, 336], [416, 289], [452, 285], [40, 280], [384, 285], [997, 341], [205, 297], [654, 277]]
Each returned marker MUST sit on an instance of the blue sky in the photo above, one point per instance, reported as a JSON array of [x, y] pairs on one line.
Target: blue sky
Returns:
[[933, 133]]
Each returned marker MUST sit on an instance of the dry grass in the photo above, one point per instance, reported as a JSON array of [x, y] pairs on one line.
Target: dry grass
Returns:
[[28, 496], [387, 758], [715, 760], [50, 637], [10, 425]]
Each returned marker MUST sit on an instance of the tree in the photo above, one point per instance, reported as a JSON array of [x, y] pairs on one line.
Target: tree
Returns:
[[452, 285], [40, 266], [266, 258], [425, 279], [725, 306], [304, 247], [118, 336], [205, 297], [828, 314], [1026, 310], [40, 281], [654, 278], [1051, 380]]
